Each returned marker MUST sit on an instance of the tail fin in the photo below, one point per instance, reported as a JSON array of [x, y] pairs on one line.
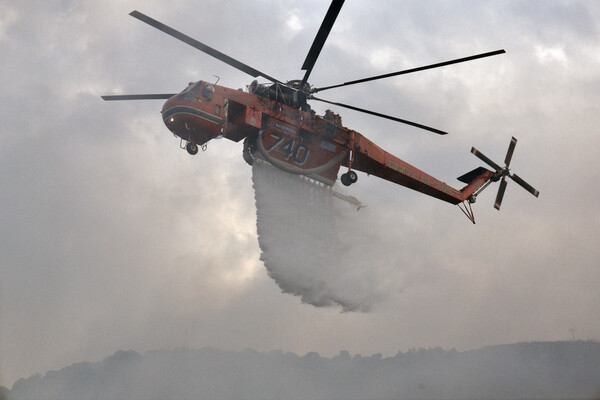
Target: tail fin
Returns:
[[470, 176], [475, 180]]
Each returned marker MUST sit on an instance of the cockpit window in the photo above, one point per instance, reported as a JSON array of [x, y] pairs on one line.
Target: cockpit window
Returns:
[[196, 88], [192, 92]]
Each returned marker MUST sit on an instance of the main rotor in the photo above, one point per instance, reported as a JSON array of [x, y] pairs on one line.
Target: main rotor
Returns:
[[298, 90]]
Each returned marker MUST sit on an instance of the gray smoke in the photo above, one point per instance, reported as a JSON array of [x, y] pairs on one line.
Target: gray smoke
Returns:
[[320, 247]]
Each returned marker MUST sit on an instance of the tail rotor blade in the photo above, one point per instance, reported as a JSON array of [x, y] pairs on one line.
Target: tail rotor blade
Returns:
[[509, 153], [504, 172], [486, 160], [500, 194], [525, 185]]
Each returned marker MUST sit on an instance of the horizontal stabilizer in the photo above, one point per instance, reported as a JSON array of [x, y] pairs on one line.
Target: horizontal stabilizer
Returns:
[[470, 176]]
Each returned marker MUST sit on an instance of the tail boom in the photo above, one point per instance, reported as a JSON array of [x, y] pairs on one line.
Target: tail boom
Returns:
[[372, 159]]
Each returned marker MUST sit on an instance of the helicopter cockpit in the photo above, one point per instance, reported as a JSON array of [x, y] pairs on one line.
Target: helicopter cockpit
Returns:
[[196, 90]]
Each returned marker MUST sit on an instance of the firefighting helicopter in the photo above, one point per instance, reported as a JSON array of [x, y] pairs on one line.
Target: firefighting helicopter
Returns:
[[278, 126]]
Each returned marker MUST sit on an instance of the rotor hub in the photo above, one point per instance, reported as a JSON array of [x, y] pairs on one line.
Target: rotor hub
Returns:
[[297, 84]]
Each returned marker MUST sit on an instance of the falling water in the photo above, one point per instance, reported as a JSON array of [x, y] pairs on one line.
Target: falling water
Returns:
[[317, 244]]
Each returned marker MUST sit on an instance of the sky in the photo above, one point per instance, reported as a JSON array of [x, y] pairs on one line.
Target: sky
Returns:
[[112, 237]]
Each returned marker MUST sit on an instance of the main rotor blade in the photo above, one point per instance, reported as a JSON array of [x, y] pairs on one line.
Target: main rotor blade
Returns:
[[525, 185], [427, 128], [500, 194], [139, 96], [509, 153], [322, 34], [201, 46], [486, 160], [408, 71]]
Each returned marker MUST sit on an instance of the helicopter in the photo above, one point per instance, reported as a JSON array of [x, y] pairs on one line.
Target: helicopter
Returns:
[[277, 125]]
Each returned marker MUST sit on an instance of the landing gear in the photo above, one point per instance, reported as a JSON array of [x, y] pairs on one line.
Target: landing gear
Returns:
[[349, 178], [191, 148], [249, 148]]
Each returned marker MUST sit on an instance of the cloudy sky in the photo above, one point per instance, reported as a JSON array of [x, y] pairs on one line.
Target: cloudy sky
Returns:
[[111, 237]]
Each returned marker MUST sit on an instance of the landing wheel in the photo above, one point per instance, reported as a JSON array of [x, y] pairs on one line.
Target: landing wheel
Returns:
[[349, 178], [352, 177], [249, 148], [345, 181], [191, 148]]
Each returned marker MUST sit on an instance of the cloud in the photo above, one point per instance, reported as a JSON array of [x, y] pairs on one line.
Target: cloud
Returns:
[[112, 237]]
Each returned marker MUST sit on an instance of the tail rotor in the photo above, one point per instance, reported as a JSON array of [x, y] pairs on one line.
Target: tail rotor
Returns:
[[503, 172]]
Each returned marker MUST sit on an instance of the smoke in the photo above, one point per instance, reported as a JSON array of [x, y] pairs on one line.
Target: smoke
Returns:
[[320, 247]]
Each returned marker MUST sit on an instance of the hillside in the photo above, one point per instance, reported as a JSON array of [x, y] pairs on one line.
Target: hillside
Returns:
[[540, 370]]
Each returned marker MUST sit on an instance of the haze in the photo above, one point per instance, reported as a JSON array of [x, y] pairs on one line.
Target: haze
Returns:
[[114, 238]]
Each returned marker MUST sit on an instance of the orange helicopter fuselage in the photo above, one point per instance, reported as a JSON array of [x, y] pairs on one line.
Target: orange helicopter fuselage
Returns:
[[295, 139], [278, 125]]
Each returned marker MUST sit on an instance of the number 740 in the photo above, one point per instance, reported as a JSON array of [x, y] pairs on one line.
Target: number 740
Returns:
[[297, 151]]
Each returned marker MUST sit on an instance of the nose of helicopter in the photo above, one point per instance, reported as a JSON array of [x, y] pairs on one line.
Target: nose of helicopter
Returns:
[[169, 112], [186, 118]]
